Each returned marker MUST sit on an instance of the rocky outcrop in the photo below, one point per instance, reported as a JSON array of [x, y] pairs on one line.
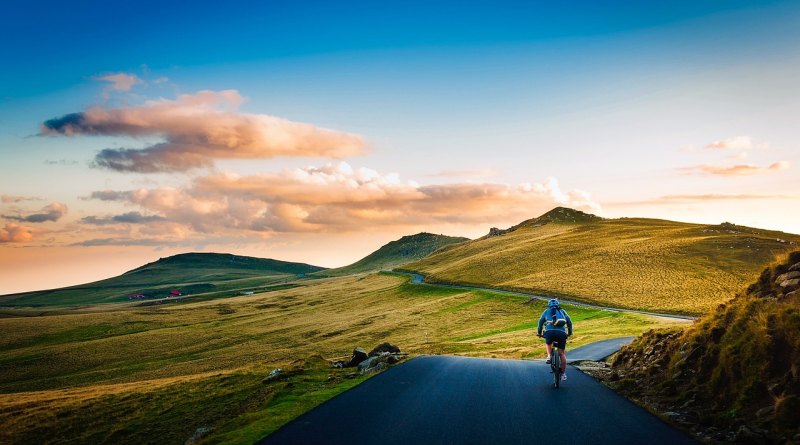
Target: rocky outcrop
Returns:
[[380, 357]]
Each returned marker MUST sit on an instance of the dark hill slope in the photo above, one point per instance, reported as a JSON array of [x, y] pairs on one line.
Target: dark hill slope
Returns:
[[189, 272], [738, 366], [397, 253], [637, 263]]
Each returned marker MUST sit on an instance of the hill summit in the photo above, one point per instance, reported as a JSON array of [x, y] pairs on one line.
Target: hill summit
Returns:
[[399, 252], [562, 215]]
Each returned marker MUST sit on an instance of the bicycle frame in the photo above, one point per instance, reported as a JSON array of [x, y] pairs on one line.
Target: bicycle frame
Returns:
[[555, 365]]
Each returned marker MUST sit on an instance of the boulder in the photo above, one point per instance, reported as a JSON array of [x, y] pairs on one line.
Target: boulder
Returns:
[[790, 284], [788, 276], [275, 374], [369, 363], [359, 355], [384, 347], [199, 433]]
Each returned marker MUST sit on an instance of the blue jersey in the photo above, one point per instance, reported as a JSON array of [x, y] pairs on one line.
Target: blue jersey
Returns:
[[554, 319]]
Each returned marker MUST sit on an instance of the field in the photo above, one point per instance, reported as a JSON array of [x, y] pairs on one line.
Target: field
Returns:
[[127, 374], [647, 264]]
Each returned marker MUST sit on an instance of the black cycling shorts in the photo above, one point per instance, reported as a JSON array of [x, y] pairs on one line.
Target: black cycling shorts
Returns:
[[560, 337]]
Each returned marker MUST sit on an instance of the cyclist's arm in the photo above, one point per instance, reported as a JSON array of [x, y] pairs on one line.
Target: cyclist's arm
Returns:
[[569, 323], [541, 323]]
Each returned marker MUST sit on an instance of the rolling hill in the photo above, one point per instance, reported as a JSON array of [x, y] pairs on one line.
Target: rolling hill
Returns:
[[189, 273], [636, 263], [397, 253]]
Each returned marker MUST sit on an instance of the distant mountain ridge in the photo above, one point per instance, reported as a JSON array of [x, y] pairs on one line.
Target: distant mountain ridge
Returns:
[[185, 273], [397, 253]]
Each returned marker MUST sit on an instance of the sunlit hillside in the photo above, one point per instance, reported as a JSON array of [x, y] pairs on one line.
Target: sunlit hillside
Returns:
[[129, 374], [649, 264], [397, 253]]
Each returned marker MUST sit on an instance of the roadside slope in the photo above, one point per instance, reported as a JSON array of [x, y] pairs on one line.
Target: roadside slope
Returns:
[[636, 263], [738, 367]]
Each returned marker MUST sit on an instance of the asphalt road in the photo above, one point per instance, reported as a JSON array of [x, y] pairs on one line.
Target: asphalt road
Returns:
[[460, 400], [598, 350]]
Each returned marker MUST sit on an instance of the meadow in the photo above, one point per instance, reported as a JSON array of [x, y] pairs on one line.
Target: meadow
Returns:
[[121, 373], [646, 264]]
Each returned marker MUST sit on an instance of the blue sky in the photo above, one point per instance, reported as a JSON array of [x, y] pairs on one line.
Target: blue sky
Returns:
[[684, 110]]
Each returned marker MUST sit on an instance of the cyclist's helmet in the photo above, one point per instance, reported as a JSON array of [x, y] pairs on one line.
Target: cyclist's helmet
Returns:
[[552, 303]]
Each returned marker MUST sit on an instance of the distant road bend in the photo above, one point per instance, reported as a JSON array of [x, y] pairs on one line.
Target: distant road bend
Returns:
[[461, 400], [420, 279]]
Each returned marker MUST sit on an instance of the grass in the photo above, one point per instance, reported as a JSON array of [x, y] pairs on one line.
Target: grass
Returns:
[[738, 365], [645, 264], [155, 374], [396, 253]]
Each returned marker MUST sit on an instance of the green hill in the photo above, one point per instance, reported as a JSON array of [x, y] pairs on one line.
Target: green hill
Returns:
[[188, 273], [397, 253], [635, 263], [735, 370]]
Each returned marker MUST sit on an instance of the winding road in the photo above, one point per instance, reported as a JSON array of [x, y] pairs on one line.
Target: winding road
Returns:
[[420, 279], [460, 400]]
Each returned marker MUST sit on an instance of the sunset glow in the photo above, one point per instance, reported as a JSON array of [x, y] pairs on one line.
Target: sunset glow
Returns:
[[304, 132]]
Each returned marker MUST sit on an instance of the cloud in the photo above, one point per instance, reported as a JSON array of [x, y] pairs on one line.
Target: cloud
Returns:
[[197, 129], [15, 233], [125, 218], [61, 162], [708, 197], [737, 143], [9, 199], [734, 170], [476, 173], [52, 212], [338, 198], [120, 81]]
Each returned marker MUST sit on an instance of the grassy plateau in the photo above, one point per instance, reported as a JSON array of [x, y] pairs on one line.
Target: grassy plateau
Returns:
[[120, 373], [635, 263]]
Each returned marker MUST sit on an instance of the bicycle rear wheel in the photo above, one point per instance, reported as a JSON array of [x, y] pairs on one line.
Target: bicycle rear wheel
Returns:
[[555, 363]]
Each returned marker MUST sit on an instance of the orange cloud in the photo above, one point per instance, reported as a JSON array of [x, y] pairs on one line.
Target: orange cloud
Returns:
[[338, 198], [52, 212], [736, 143], [734, 170], [15, 233], [120, 81], [197, 129]]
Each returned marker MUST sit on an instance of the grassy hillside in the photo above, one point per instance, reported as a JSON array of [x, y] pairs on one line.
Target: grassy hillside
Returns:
[[397, 253], [636, 263], [739, 365], [191, 273], [116, 374]]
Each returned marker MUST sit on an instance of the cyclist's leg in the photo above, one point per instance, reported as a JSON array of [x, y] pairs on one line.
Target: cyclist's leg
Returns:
[[548, 344], [562, 343]]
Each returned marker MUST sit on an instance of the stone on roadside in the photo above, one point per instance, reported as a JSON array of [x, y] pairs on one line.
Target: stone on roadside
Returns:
[[359, 355], [384, 347], [273, 375]]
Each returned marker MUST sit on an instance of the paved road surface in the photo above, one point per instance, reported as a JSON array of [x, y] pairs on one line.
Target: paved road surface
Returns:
[[420, 279], [460, 400], [597, 350]]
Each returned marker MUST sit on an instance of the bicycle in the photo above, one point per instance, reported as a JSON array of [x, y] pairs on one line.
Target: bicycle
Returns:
[[555, 364]]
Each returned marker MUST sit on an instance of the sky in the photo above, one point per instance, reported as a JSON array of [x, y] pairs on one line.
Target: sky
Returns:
[[318, 131]]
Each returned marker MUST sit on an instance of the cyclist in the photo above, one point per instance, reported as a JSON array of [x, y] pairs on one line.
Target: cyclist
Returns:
[[554, 319]]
